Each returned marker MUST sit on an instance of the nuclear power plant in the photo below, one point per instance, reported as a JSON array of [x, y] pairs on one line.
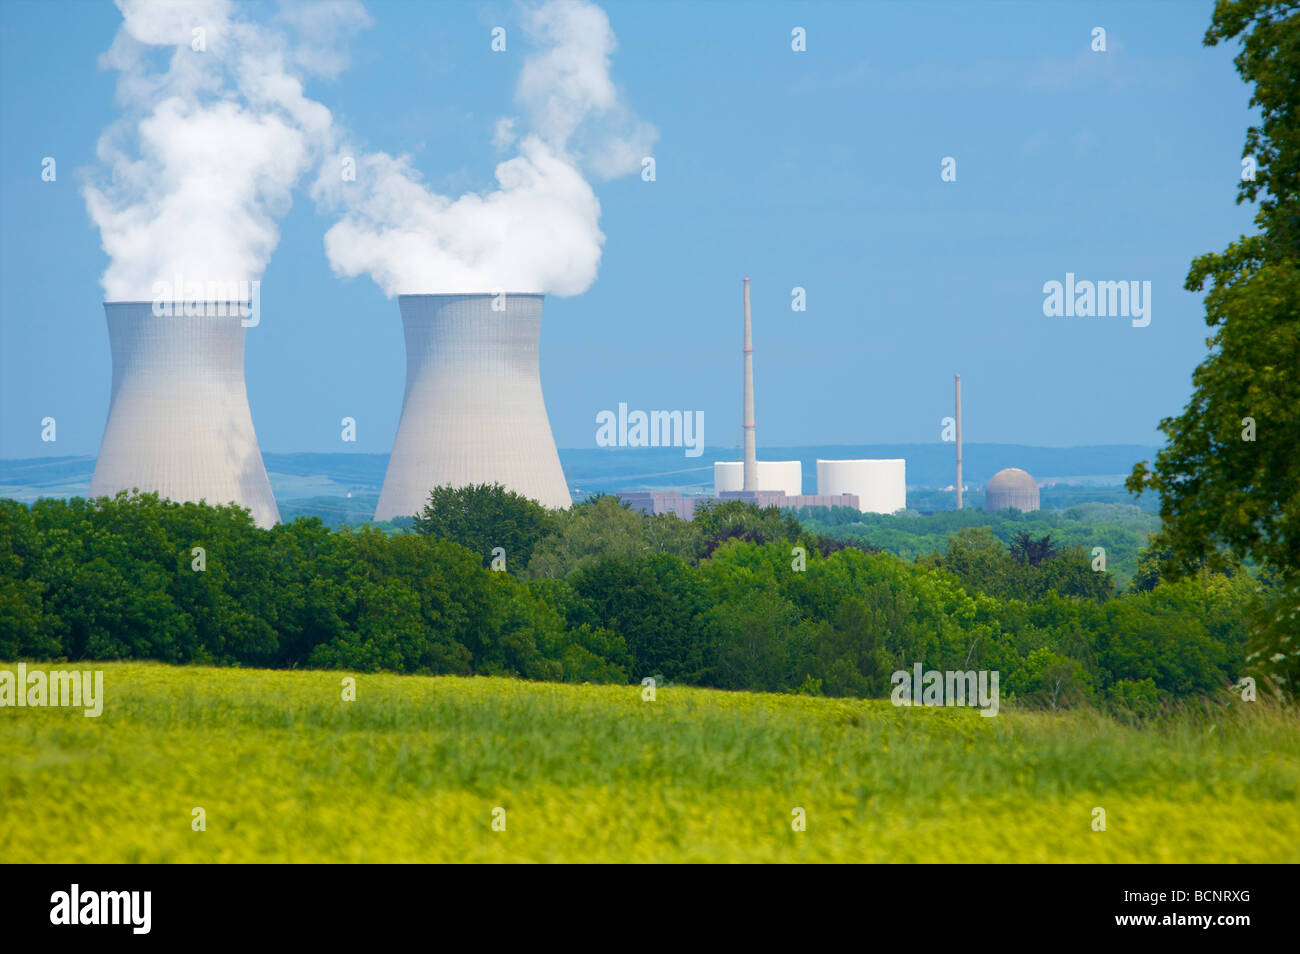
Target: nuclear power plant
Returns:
[[473, 411], [872, 486], [178, 419], [875, 486]]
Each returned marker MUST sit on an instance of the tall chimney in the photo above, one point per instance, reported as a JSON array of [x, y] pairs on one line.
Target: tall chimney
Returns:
[[959, 442], [473, 411], [751, 454], [178, 419]]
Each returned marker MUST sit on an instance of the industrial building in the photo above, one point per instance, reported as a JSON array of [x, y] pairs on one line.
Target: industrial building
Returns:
[[783, 475], [473, 411], [871, 486], [880, 485], [1009, 489], [178, 419], [662, 501]]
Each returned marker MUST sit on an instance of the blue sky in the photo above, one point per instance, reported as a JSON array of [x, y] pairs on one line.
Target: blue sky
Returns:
[[818, 169]]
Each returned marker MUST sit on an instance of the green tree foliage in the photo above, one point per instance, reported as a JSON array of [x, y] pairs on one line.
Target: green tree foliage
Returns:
[[1121, 528], [484, 517], [1029, 569], [1229, 476], [654, 603], [719, 522], [137, 577], [603, 526], [1025, 548]]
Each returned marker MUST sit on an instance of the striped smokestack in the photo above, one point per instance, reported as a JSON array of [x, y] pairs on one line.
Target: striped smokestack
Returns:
[[751, 454], [959, 442]]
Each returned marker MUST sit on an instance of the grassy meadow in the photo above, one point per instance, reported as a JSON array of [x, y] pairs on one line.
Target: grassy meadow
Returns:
[[411, 772]]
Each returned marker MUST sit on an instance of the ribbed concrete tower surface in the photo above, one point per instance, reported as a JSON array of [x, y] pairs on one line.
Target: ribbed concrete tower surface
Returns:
[[178, 421], [473, 411]]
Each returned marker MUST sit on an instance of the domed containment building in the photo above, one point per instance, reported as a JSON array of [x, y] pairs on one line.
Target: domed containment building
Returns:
[[1011, 488]]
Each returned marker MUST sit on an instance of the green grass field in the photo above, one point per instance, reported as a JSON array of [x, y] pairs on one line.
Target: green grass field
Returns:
[[412, 770]]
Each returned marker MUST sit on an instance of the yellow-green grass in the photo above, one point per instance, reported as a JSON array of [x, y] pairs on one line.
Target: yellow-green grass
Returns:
[[285, 770]]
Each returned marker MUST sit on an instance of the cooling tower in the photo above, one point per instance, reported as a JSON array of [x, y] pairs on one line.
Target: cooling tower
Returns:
[[784, 475], [178, 421], [881, 485], [473, 411]]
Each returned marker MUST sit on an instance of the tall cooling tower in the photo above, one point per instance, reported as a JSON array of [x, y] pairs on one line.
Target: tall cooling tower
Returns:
[[178, 421], [473, 411]]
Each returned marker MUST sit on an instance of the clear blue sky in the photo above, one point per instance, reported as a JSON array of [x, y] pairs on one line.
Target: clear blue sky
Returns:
[[818, 169]]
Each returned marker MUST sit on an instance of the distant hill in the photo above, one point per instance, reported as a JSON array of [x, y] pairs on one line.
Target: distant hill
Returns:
[[611, 470]]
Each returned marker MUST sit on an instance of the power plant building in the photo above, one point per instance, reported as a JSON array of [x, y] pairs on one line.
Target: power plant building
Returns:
[[871, 486], [880, 485], [178, 419], [1011, 489], [783, 475], [662, 501], [473, 411]]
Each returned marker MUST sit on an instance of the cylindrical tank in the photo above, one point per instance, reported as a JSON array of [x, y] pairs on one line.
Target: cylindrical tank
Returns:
[[880, 485], [784, 475], [178, 419], [473, 411]]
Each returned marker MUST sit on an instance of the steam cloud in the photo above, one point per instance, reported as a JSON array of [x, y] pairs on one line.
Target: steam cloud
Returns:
[[540, 230], [203, 161]]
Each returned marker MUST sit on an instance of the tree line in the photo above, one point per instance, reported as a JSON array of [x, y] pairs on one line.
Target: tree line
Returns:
[[490, 583]]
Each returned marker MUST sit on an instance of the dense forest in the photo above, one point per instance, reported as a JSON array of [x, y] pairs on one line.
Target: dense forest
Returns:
[[1120, 529], [486, 582]]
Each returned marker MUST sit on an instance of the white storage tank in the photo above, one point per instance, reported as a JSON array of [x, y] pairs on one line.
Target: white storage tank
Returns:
[[784, 475], [880, 485]]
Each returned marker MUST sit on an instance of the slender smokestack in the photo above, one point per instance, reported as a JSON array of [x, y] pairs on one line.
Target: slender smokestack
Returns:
[[473, 411], [959, 442], [178, 421], [751, 453]]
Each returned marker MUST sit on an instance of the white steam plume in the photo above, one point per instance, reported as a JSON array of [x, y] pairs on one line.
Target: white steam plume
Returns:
[[203, 162], [539, 231]]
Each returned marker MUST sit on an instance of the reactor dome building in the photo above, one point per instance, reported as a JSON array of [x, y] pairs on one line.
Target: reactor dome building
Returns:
[[1009, 489], [473, 411], [178, 418]]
